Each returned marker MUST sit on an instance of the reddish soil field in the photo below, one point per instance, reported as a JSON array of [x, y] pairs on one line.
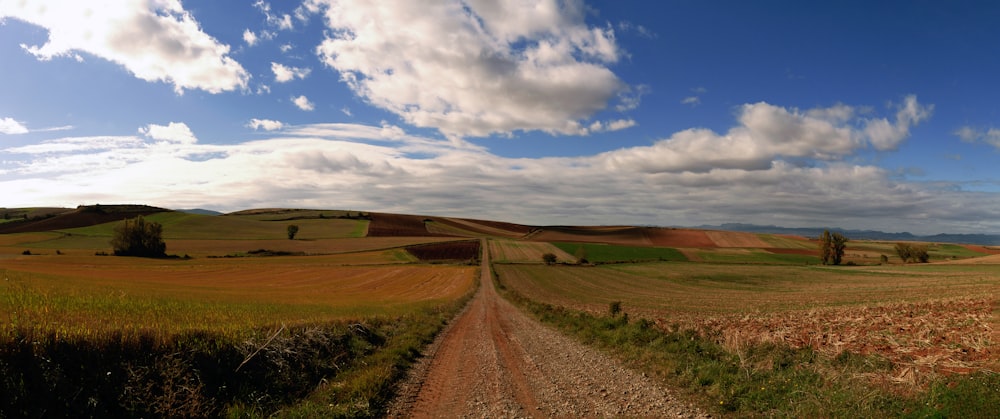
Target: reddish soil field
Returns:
[[675, 237], [982, 249], [391, 225], [458, 250]]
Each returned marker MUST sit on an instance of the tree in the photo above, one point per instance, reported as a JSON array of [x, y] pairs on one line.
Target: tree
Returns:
[[912, 253], [838, 243], [824, 247], [292, 231], [904, 251], [831, 247], [138, 237], [549, 258]]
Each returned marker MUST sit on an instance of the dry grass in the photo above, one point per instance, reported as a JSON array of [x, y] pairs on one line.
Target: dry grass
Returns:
[[736, 239], [511, 251], [926, 319], [94, 296]]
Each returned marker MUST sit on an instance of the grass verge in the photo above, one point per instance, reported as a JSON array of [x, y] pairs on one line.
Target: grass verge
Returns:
[[772, 380]]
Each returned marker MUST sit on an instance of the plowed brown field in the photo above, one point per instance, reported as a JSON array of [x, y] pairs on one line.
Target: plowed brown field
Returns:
[[650, 236], [394, 225]]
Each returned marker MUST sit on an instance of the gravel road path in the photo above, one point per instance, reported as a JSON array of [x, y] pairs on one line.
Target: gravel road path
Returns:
[[494, 361]]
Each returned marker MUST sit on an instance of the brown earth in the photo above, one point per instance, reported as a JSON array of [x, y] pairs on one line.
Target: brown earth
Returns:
[[735, 239], [80, 217], [455, 250], [387, 225], [494, 361], [679, 237]]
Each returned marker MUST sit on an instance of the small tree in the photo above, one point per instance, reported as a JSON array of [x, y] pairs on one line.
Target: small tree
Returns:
[[581, 255], [831, 247], [838, 243], [615, 308], [920, 254], [138, 237], [824, 247], [292, 231], [912, 253], [549, 258], [904, 251]]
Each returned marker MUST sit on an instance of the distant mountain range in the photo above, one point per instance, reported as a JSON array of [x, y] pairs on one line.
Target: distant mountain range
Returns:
[[812, 232]]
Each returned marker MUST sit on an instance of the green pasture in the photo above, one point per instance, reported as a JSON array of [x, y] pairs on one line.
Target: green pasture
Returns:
[[604, 253]]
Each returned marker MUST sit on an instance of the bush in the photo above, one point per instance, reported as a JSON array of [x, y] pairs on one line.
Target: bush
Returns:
[[912, 253], [549, 258], [138, 237], [615, 308], [292, 231]]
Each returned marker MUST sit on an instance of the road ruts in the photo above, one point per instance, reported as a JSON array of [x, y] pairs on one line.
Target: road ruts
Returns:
[[494, 361]]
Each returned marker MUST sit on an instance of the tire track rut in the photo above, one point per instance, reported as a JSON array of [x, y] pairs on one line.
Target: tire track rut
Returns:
[[495, 361]]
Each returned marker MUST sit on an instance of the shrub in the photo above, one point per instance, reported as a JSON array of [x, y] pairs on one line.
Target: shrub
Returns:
[[549, 258], [292, 231], [138, 237], [912, 253], [615, 308]]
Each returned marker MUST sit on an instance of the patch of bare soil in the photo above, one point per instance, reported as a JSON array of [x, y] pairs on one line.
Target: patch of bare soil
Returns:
[[494, 361]]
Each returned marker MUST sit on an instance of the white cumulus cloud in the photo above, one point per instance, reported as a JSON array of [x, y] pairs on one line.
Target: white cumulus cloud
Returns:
[[302, 102], [283, 74], [767, 132], [174, 132], [10, 126], [973, 135], [474, 68], [265, 124], [155, 40], [249, 37]]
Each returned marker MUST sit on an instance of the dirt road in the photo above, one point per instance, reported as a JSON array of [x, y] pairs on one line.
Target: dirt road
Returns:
[[494, 361]]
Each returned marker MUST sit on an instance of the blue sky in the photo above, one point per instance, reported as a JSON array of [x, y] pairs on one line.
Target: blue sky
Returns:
[[875, 115]]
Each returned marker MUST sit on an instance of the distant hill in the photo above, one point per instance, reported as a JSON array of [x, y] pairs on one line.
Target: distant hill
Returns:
[[82, 216], [811, 232], [199, 211]]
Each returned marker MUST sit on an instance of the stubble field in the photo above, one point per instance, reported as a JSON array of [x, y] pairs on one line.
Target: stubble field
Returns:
[[924, 320], [241, 321]]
